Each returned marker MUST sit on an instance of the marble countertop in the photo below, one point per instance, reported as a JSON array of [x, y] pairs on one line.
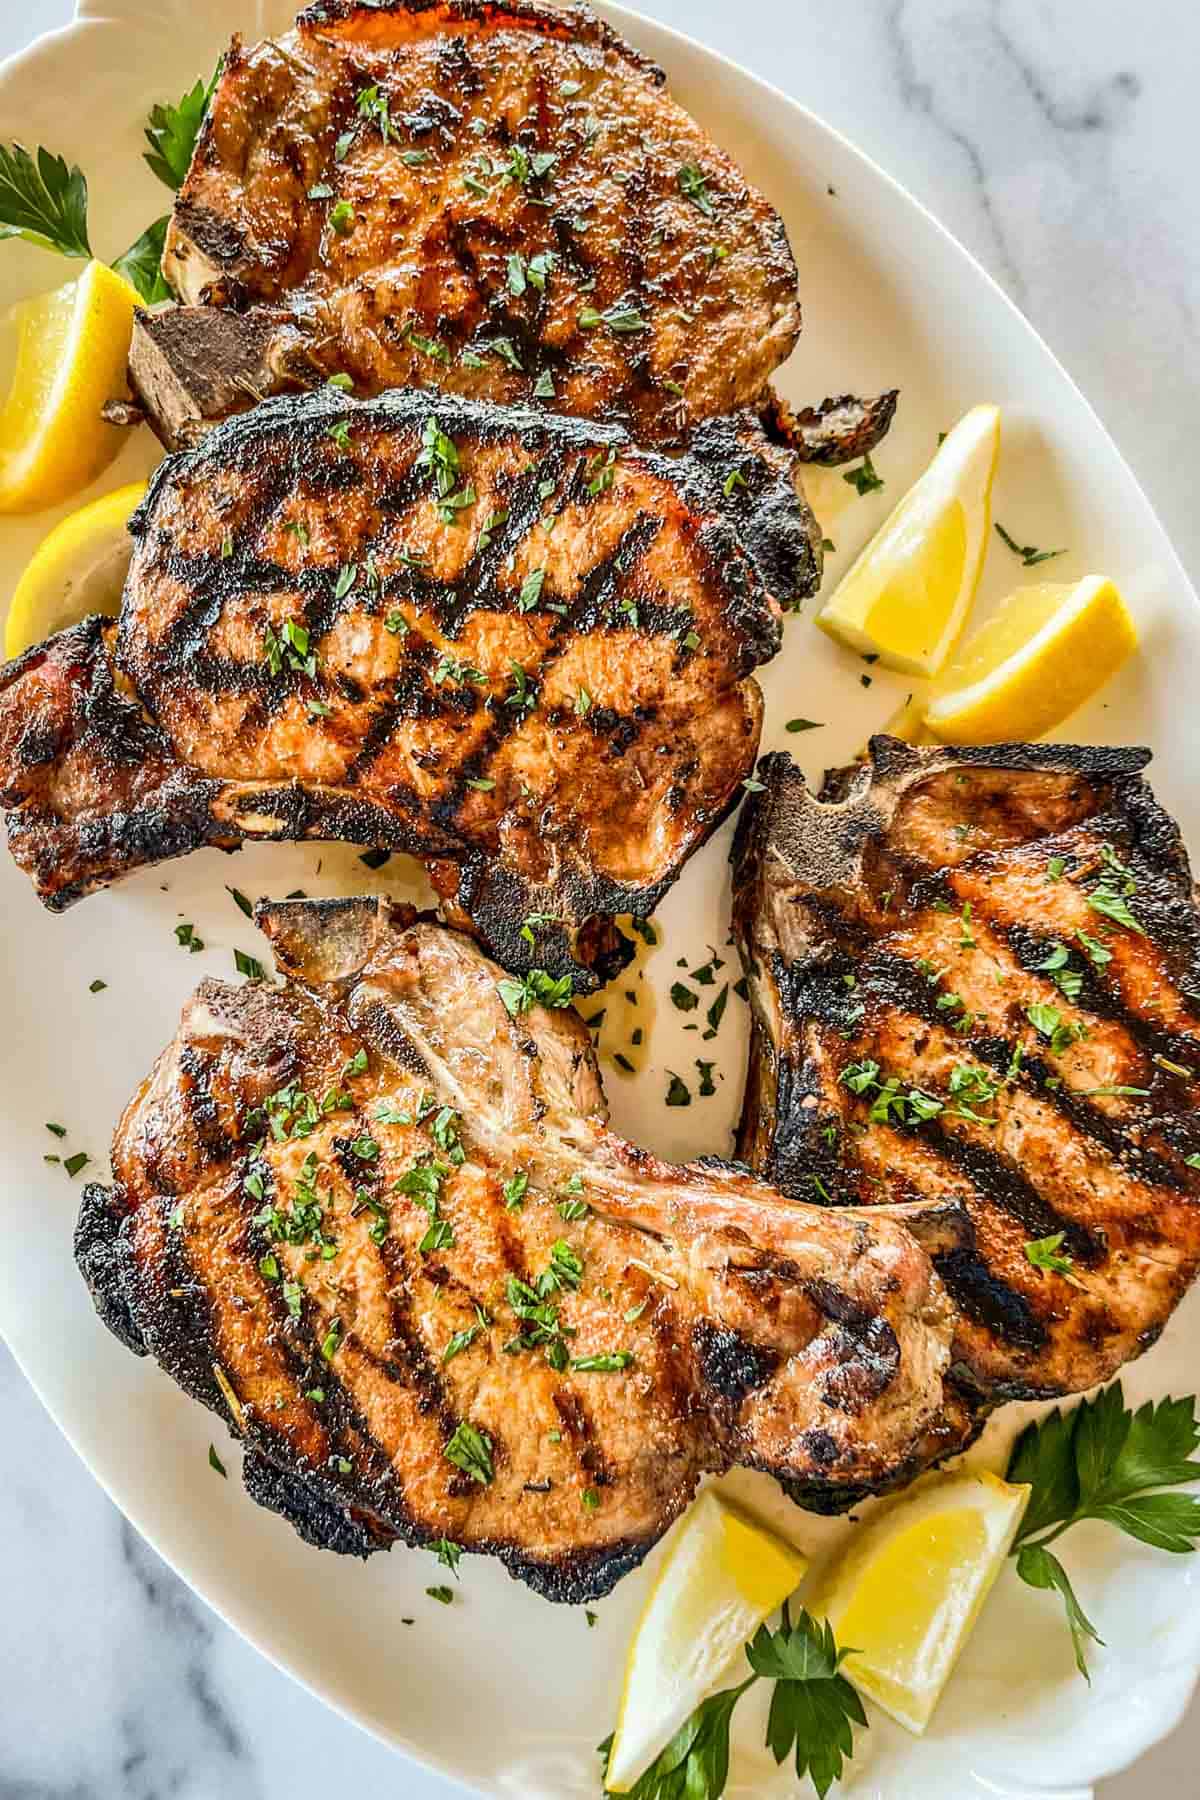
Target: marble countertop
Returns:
[[1056, 138]]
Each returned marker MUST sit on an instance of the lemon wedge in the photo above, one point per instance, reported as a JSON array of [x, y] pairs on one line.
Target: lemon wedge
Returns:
[[1046, 651], [907, 1592], [78, 569], [906, 597], [722, 1575], [72, 348]]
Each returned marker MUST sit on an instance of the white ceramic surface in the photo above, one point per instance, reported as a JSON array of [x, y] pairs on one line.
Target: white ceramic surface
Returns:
[[888, 298]]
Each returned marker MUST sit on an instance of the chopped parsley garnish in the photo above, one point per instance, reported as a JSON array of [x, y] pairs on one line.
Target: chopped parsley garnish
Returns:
[[694, 187], [449, 1554], [683, 997], [862, 477], [620, 319], [1046, 1255], [1028, 553], [716, 1012], [214, 1461], [461, 674], [589, 1499], [734, 479], [537, 988], [678, 1093], [60, 1131], [97, 986], [249, 966], [598, 472], [572, 1210], [290, 649], [1055, 868], [515, 1190], [1048, 1022], [373, 105], [707, 1086], [803, 725], [471, 1451], [531, 590], [73, 1164], [444, 1595], [1106, 899], [341, 218], [240, 901], [185, 936], [583, 703], [607, 1363], [543, 387], [1056, 964], [339, 431]]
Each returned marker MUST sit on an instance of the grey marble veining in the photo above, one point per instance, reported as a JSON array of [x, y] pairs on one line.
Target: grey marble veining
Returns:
[[1057, 139]]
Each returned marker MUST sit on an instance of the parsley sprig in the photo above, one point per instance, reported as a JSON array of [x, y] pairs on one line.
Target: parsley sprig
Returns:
[[1104, 1461], [813, 1714], [45, 201]]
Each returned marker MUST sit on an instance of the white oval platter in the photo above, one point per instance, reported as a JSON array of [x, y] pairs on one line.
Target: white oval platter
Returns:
[[502, 1690]]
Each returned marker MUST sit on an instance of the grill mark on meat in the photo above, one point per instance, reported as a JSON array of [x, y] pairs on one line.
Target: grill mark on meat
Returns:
[[986, 1298], [672, 724], [894, 981], [740, 1262], [852, 886], [203, 1110]]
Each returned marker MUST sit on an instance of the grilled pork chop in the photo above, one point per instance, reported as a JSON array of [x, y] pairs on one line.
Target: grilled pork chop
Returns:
[[501, 200], [975, 975], [376, 1216], [504, 639]]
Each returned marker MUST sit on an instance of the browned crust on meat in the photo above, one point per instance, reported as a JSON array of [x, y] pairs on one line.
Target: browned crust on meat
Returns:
[[564, 711], [286, 1280], [419, 287], [906, 918]]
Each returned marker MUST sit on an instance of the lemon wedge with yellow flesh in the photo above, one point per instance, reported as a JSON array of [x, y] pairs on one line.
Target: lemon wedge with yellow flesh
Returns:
[[72, 349], [906, 1594], [722, 1575], [1047, 650], [78, 569], [906, 597]]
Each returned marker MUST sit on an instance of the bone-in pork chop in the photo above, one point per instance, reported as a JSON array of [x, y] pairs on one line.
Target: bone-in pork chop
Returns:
[[975, 976], [499, 200], [502, 640], [376, 1218]]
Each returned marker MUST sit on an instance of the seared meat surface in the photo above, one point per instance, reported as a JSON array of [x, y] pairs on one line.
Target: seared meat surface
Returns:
[[502, 639], [501, 200], [975, 975], [377, 1217]]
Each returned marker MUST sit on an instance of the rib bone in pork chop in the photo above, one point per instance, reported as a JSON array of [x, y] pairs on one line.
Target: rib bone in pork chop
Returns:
[[504, 639], [377, 1216], [501, 200], [975, 976]]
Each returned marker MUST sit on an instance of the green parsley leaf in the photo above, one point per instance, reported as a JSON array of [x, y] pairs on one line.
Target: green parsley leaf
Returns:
[[678, 1093], [240, 901], [1041, 1569], [863, 478], [803, 725], [813, 1708], [515, 1189], [695, 1764], [608, 1363], [537, 988], [43, 201], [531, 590], [444, 1595], [214, 1461], [1028, 553], [73, 1164], [1100, 1462], [693, 186], [141, 264], [249, 966], [172, 132], [683, 997], [1046, 1255], [471, 1451]]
